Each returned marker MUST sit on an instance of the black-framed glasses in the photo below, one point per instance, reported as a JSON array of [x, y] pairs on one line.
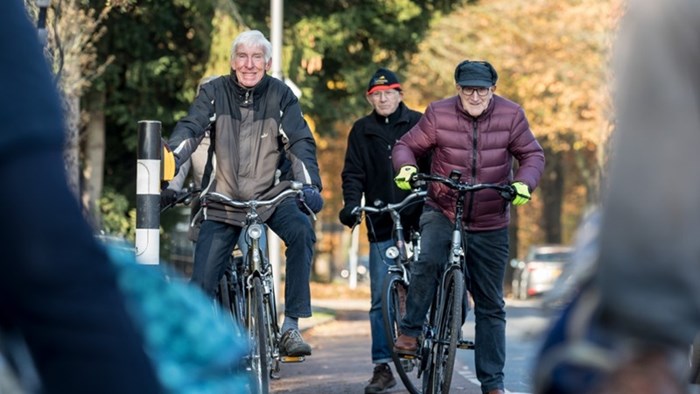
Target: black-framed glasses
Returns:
[[481, 91]]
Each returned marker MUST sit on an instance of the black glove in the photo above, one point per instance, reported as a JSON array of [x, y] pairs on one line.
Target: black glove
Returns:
[[167, 197], [347, 217], [312, 198]]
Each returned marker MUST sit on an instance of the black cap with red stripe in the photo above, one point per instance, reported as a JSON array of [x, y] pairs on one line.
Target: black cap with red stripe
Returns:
[[383, 79]]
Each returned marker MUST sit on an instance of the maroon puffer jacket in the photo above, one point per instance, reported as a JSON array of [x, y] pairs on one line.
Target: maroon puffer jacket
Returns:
[[481, 148]]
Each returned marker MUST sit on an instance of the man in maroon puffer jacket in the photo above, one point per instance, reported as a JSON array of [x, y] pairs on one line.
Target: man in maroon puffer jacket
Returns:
[[479, 134]]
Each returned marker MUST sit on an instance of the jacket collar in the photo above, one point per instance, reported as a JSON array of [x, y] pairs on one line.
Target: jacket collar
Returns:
[[400, 115], [487, 111], [248, 96]]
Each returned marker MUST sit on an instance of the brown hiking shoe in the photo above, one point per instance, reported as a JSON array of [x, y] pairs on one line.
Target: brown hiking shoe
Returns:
[[406, 345], [382, 379]]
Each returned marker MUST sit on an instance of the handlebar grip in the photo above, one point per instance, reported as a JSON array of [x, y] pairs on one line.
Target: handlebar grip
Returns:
[[509, 194]]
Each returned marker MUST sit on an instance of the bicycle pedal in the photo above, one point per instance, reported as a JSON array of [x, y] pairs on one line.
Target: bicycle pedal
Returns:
[[465, 344], [407, 365], [292, 359]]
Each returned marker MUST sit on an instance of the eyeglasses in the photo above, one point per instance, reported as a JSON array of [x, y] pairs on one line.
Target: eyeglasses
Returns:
[[482, 92], [383, 93]]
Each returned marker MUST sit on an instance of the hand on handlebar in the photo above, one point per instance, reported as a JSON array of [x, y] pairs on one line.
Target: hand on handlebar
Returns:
[[403, 179], [310, 199], [167, 197], [349, 216], [522, 193]]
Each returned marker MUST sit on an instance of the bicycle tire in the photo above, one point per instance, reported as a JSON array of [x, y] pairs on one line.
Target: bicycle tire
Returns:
[[273, 331], [391, 300], [222, 294], [237, 292], [259, 361], [444, 345]]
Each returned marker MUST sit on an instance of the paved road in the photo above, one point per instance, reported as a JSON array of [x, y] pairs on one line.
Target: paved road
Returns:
[[340, 363]]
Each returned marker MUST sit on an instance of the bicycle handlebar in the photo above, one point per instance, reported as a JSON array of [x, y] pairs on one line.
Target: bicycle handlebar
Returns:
[[390, 207], [184, 196], [507, 192], [295, 188]]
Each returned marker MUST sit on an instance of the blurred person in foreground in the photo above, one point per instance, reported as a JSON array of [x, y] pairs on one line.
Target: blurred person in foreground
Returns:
[[630, 327], [256, 120], [368, 171], [58, 290], [480, 134]]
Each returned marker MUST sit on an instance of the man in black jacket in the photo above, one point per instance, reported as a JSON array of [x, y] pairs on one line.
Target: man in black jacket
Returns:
[[368, 171]]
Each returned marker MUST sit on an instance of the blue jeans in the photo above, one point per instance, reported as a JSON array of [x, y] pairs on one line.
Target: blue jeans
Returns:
[[378, 269], [217, 239], [486, 256]]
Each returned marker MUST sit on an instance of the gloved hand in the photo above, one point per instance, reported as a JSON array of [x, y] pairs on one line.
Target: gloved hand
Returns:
[[168, 164], [347, 217], [167, 197], [522, 193], [403, 179], [312, 198]]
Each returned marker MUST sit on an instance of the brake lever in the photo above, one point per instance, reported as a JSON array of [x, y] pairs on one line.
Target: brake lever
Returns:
[[308, 209]]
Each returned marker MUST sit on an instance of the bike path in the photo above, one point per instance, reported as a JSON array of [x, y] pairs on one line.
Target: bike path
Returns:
[[341, 347]]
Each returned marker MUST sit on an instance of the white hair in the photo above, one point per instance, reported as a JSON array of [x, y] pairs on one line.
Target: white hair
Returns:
[[253, 38]]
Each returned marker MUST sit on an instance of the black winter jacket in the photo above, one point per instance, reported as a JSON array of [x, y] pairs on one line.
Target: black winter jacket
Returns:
[[368, 168]]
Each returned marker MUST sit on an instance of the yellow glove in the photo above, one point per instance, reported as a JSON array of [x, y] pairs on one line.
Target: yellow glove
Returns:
[[403, 179], [167, 164], [522, 193]]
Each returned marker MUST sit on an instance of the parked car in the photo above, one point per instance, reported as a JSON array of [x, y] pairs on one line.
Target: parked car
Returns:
[[362, 270], [541, 267]]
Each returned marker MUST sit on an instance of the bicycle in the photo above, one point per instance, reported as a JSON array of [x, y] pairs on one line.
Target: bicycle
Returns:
[[395, 286], [248, 290], [442, 331]]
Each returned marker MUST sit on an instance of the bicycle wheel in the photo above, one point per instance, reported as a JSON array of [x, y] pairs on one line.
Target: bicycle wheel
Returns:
[[259, 360], [273, 330], [448, 326], [222, 294], [393, 310], [237, 292]]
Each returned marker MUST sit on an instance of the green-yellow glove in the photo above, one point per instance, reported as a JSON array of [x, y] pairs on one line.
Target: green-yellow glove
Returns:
[[522, 193], [403, 179]]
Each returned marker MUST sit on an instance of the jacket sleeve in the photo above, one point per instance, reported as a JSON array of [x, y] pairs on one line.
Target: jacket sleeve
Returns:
[[527, 151], [418, 142], [190, 130], [354, 173], [299, 143]]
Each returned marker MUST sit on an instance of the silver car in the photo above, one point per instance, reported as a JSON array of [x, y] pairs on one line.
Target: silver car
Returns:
[[539, 270]]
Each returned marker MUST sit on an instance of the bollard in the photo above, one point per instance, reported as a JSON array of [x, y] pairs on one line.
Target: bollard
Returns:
[[148, 175]]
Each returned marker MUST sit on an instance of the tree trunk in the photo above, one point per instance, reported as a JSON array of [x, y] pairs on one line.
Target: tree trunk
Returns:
[[552, 189], [93, 153], [72, 149]]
